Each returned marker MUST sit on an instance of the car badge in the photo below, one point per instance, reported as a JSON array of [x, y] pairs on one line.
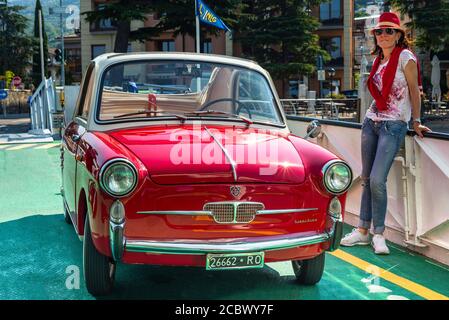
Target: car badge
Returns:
[[235, 191]]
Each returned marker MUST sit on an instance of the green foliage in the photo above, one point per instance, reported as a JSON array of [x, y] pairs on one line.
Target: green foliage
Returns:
[[36, 72], [121, 13], [337, 96], [179, 16], [430, 18], [280, 36], [356, 78], [14, 53]]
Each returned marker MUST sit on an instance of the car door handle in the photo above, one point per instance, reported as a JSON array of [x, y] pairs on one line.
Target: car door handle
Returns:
[[76, 137]]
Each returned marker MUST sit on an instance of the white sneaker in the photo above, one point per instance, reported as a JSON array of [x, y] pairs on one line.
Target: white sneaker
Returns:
[[355, 238], [379, 244]]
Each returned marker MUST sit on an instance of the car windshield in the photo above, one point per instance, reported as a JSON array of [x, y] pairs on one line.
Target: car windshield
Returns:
[[180, 89]]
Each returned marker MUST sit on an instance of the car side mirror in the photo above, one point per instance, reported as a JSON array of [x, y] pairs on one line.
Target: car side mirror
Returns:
[[313, 129]]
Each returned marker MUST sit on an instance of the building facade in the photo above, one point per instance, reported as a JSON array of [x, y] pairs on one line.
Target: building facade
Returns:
[[99, 38], [335, 33]]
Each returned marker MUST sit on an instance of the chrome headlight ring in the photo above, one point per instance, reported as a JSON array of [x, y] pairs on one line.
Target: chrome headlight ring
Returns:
[[128, 167], [337, 177]]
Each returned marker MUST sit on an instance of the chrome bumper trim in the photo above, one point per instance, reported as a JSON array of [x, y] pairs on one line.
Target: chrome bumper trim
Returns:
[[192, 247], [285, 211], [209, 213], [117, 240], [184, 213]]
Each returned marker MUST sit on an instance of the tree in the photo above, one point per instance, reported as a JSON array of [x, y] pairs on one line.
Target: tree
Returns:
[[37, 74], [281, 37], [122, 13], [179, 16], [430, 18], [14, 53]]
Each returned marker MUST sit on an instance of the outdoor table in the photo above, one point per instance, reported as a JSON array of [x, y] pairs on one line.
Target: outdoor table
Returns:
[[333, 108]]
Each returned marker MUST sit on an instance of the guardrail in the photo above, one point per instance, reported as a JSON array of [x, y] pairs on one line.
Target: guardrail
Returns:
[[417, 213]]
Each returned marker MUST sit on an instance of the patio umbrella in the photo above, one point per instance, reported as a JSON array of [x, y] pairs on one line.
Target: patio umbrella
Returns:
[[435, 79]]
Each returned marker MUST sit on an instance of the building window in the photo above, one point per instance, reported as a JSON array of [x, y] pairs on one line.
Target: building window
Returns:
[[103, 24], [98, 49], [167, 45], [207, 46], [330, 11], [333, 47]]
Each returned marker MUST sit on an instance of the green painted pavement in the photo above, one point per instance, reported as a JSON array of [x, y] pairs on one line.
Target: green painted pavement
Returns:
[[30, 181], [40, 253], [407, 264]]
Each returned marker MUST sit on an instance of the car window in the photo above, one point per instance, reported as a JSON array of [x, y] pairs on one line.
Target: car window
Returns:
[[85, 96], [136, 90]]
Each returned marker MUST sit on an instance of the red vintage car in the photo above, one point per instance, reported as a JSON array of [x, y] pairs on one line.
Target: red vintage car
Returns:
[[186, 160]]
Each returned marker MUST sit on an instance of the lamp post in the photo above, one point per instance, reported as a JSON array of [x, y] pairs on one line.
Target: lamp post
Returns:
[[331, 72]]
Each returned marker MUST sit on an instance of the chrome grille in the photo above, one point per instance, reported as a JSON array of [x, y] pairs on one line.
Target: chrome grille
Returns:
[[233, 212]]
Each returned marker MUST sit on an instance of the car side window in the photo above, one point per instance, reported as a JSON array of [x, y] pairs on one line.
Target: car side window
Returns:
[[85, 97]]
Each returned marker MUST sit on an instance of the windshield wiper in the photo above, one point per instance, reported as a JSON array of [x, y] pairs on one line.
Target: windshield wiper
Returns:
[[211, 112], [148, 113]]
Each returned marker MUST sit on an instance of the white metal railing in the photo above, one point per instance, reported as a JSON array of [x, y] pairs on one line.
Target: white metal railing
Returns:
[[42, 105], [417, 185], [337, 109]]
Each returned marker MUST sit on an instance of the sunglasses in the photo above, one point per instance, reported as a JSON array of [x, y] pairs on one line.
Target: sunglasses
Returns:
[[388, 31]]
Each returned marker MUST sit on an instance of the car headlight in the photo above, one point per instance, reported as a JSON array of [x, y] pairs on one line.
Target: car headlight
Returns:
[[118, 177], [337, 176]]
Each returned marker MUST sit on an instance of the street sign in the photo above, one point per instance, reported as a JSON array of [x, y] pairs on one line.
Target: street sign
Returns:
[[3, 94], [321, 75], [16, 81]]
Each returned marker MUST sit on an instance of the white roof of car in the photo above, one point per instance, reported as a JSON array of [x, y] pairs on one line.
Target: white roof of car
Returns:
[[112, 58]]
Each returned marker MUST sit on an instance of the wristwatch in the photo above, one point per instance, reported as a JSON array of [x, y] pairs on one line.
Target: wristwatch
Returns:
[[417, 120]]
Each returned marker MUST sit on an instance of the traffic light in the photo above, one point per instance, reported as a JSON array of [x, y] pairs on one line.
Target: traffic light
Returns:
[[9, 75], [58, 55]]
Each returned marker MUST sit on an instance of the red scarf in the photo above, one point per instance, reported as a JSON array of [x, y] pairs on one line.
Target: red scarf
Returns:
[[387, 79]]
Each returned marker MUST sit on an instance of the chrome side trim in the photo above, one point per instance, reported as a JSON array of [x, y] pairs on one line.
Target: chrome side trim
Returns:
[[195, 247], [184, 213], [209, 213], [231, 161], [285, 211]]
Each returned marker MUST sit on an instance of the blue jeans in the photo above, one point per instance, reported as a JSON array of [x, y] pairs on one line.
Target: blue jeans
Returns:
[[380, 143]]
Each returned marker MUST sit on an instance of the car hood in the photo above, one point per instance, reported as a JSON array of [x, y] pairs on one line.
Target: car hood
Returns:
[[192, 154]]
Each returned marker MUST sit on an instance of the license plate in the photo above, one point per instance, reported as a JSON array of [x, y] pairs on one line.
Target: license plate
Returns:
[[234, 261]]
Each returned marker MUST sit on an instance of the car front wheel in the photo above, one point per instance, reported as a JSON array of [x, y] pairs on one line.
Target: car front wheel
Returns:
[[99, 270], [310, 271]]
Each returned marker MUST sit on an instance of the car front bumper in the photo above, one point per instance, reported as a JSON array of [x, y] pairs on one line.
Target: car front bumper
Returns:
[[119, 244]]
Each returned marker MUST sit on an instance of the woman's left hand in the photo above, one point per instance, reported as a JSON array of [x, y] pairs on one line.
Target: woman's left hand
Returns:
[[419, 129]]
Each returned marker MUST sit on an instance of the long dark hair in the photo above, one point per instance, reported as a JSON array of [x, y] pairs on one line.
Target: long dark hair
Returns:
[[403, 42]]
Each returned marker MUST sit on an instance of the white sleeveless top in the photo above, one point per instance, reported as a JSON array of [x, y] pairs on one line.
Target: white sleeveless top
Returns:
[[399, 106]]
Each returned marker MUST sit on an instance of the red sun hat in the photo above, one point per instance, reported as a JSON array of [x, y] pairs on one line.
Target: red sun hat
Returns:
[[388, 20]]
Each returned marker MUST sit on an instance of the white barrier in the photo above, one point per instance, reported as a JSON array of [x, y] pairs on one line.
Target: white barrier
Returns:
[[42, 104], [71, 96], [418, 188]]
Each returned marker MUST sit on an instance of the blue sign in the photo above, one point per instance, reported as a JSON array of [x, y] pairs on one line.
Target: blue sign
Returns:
[[3, 94], [206, 15]]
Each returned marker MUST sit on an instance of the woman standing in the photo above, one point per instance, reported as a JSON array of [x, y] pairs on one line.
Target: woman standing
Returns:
[[393, 83]]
